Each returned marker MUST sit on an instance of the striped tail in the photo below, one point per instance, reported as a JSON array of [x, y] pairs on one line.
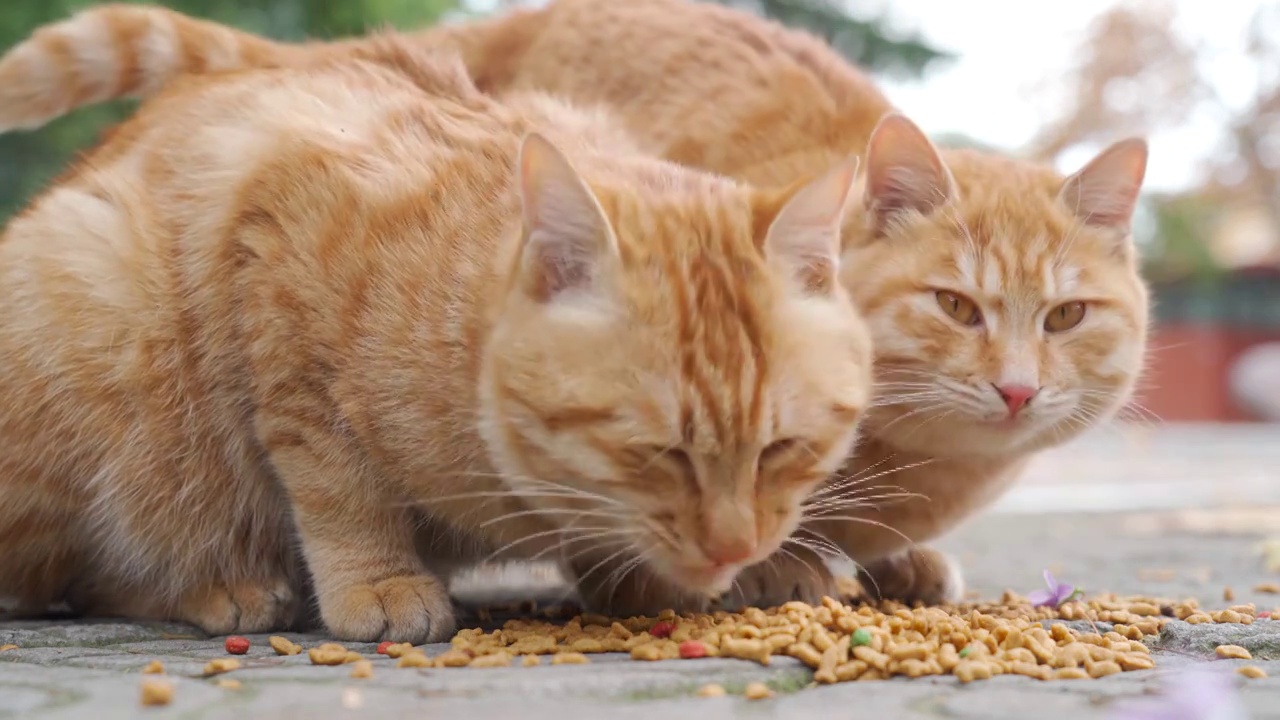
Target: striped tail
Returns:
[[116, 50]]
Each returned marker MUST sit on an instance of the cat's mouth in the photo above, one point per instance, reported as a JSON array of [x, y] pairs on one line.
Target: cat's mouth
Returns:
[[1006, 422], [710, 580]]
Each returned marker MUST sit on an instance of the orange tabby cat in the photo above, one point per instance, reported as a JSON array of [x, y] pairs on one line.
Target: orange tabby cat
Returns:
[[326, 299], [1005, 301]]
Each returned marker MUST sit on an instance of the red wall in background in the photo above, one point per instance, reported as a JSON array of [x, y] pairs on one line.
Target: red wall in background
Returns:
[[1187, 375]]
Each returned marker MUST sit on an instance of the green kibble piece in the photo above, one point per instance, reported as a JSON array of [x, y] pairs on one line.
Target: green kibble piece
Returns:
[[861, 637], [965, 652]]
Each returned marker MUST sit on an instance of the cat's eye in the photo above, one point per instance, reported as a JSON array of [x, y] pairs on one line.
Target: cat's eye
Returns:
[[959, 308], [1064, 317], [776, 450], [677, 458]]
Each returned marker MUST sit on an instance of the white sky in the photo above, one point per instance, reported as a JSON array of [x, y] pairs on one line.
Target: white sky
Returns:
[[1007, 47]]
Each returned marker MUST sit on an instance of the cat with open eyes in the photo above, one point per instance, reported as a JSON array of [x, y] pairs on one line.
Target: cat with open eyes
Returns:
[[1005, 302], [318, 306]]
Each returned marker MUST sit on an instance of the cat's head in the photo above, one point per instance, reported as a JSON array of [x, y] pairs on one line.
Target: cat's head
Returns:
[[1004, 300], [674, 358]]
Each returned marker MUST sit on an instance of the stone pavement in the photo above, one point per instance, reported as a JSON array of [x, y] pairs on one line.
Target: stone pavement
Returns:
[[1180, 536]]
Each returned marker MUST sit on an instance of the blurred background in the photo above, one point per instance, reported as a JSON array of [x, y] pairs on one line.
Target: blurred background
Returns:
[[1050, 81]]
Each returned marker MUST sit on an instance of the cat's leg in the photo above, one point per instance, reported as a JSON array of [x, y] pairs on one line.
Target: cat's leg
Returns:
[[217, 609], [358, 541], [791, 573], [917, 574]]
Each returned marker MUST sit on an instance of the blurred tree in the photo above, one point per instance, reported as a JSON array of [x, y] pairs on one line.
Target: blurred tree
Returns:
[[28, 160], [1132, 74], [868, 43]]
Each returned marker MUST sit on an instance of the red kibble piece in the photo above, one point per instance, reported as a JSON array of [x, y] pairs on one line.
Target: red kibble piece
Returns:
[[382, 646], [690, 649], [662, 629], [237, 645], [1264, 614]]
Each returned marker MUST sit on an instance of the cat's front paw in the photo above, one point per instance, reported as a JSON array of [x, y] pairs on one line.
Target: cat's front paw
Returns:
[[797, 574], [407, 608], [919, 574], [243, 608]]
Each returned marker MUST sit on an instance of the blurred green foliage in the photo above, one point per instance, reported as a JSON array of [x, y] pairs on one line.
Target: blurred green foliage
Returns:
[[867, 42], [29, 159]]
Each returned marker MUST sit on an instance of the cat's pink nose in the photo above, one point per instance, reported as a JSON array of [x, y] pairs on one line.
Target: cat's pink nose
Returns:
[[1016, 396], [729, 550]]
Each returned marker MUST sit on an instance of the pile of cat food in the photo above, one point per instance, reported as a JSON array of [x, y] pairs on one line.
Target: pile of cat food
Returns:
[[841, 642]]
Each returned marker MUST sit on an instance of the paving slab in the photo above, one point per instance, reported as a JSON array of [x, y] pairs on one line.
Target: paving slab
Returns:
[[1196, 547]]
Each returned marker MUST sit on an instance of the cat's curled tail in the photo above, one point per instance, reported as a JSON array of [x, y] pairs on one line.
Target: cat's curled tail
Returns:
[[122, 50], [114, 51]]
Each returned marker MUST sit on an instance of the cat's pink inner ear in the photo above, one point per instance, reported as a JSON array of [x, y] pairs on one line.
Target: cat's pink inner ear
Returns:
[[904, 171], [1105, 192], [566, 234], [805, 234]]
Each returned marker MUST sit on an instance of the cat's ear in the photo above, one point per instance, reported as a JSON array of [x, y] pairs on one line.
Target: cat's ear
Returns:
[[905, 172], [567, 238], [1104, 192], [804, 237]]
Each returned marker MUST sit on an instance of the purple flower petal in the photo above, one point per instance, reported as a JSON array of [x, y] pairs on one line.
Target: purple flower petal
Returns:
[[1040, 598], [1064, 591], [1048, 580]]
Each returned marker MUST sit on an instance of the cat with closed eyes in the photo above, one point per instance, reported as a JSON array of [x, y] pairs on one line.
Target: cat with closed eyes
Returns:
[[281, 317], [1004, 298]]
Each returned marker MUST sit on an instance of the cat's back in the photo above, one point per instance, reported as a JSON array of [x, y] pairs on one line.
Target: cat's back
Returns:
[[706, 85]]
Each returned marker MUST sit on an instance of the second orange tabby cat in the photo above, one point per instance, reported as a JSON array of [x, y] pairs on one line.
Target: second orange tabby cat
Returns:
[[1005, 300], [285, 311]]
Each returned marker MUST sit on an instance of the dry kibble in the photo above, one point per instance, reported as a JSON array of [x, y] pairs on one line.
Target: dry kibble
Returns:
[[156, 692], [710, 691], [221, 665], [155, 667], [327, 654], [1144, 609], [1228, 594], [1136, 661], [416, 659], [497, 660], [284, 646], [362, 669], [647, 651], [1233, 651], [228, 684], [756, 650], [1269, 588], [1252, 672], [452, 658], [863, 643], [1103, 668], [569, 658], [398, 650], [531, 661], [758, 691], [7, 647]]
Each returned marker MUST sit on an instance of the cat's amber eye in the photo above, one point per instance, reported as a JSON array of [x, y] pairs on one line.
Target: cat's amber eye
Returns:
[[1064, 317], [959, 308], [679, 459], [777, 450]]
